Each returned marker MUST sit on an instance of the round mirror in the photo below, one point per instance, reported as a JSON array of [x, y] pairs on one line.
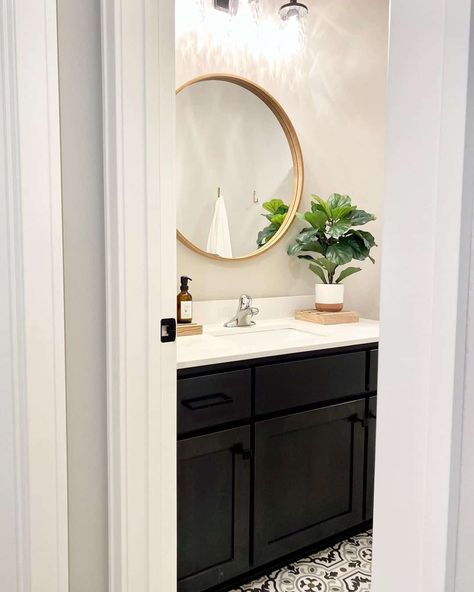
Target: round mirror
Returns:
[[239, 167]]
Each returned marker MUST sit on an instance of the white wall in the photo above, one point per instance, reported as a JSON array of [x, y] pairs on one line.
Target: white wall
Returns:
[[334, 93], [465, 541], [83, 230]]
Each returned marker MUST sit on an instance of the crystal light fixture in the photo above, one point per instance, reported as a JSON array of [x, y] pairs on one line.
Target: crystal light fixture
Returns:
[[293, 10], [255, 10]]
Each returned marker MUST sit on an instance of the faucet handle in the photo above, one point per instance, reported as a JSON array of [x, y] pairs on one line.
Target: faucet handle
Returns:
[[245, 302]]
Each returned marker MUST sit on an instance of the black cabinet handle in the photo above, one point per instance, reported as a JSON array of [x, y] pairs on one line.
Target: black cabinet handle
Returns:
[[246, 453], [364, 422], [207, 401]]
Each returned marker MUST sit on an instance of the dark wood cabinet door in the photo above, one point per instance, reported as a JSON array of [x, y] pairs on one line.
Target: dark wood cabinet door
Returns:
[[369, 497], [213, 508], [309, 478]]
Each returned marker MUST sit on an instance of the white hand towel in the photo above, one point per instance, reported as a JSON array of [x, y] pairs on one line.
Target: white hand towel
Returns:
[[218, 241]]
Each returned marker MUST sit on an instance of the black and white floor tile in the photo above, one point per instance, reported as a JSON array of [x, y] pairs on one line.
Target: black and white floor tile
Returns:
[[345, 567]]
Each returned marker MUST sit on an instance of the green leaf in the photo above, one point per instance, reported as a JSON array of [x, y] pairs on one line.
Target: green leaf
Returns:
[[278, 219], [329, 266], [308, 246], [324, 205], [307, 257], [273, 205], [315, 207], [319, 272], [308, 234], [346, 273], [360, 242], [338, 228], [368, 238], [337, 201], [360, 217], [266, 234], [359, 250], [316, 219], [342, 212], [294, 249], [339, 253]]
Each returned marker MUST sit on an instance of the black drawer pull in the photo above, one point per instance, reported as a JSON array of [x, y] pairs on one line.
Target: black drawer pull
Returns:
[[207, 401]]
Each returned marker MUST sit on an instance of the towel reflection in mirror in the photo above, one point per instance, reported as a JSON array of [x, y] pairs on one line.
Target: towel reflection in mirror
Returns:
[[218, 240]]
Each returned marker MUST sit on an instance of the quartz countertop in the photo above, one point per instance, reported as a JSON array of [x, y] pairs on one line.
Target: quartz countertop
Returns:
[[267, 338]]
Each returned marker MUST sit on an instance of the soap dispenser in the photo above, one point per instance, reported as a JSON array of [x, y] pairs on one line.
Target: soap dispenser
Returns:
[[185, 302]]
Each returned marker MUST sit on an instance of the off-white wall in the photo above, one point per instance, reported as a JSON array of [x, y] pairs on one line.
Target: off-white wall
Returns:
[[83, 231], [334, 93], [465, 542]]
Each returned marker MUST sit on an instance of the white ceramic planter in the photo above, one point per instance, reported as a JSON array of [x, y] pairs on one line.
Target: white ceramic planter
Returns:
[[329, 297]]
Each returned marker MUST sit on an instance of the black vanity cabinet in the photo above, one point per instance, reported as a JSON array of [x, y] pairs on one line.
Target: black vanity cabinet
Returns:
[[274, 456]]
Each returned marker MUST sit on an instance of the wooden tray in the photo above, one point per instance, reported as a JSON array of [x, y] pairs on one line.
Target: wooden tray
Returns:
[[327, 318], [185, 329]]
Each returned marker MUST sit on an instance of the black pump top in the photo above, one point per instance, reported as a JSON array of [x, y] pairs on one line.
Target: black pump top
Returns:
[[184, 283]]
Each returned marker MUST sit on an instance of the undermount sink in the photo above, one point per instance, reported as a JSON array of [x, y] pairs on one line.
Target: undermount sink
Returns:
[[258, 336]]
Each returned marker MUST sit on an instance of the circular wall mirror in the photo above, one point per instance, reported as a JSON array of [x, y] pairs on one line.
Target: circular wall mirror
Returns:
[[239, 167]]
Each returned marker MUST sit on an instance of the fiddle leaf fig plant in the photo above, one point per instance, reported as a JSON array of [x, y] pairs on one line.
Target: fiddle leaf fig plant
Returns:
[[277, 211], [334, 238]]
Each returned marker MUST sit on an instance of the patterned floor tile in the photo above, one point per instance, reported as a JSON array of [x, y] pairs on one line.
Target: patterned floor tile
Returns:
[[345, 567]]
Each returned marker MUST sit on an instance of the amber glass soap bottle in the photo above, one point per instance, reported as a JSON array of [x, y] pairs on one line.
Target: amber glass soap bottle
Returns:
[[185, 302]]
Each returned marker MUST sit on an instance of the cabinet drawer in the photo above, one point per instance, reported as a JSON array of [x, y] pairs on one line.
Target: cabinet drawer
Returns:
[[293, 384], [206, 401], [373, 369]]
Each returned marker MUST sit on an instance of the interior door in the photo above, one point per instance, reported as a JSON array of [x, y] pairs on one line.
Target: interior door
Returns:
[[309, 478]]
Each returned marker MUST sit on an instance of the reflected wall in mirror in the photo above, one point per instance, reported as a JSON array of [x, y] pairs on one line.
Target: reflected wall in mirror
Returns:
[[236, 150]]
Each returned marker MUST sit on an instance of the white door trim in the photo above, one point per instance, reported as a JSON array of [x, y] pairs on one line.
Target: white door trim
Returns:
[[33, 485], [138, 99], [425, 270]]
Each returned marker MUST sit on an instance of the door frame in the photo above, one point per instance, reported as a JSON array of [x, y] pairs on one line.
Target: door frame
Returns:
[[422, 351], [138, 115], [429, 190], [33, 486]]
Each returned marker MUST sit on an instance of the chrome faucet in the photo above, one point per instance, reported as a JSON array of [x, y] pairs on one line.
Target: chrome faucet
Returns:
[[244, 314]]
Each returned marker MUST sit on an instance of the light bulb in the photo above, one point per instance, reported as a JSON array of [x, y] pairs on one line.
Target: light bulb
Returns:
[[293, 9]]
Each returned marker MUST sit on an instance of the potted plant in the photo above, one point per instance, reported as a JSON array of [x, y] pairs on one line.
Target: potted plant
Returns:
[[333, 236]]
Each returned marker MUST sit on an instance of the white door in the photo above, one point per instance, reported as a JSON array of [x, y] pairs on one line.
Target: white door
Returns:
[[138, 95]]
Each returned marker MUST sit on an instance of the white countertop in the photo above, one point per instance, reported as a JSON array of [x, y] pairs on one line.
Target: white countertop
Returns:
[[269, 338]]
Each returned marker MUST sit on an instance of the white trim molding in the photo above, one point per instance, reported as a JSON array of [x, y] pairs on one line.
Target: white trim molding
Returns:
[[425, 270], [33, 484], [138, 98]]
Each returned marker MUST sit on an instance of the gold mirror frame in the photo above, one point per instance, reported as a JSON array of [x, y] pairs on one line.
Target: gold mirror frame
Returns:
[[296, 155]]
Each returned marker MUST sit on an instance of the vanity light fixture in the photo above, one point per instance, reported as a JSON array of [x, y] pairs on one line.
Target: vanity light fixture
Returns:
[[293, 9]]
